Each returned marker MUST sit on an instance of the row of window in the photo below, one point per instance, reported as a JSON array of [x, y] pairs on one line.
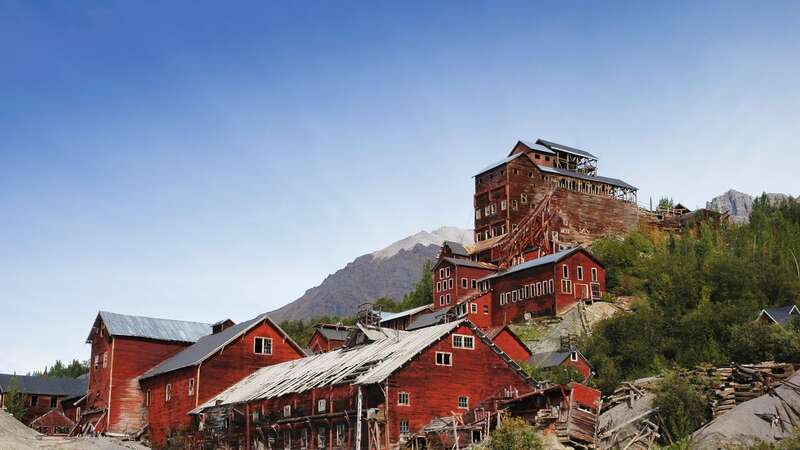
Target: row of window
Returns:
[[528, 291], [491, 209], [466, 283], [35, 403], [565, 272], [404, 399]]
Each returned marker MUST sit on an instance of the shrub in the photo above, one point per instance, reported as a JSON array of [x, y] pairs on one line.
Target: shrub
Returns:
[[680, 406], [515, 434]]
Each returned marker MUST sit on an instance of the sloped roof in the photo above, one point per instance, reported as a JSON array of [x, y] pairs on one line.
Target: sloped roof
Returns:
[[468, 263], [580, 176], [152, 328], [427, 320], [548, 359], [564, 148], [536, 146], [210, 344], [387, 316], [46, 385], [456, 248], [368, 364], [499, 163], [333, 332], [544, 260], [782, 315]]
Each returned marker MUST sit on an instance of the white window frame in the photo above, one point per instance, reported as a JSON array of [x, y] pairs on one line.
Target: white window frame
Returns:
[[403, 399], [580, 272], [438, 286], [441, 272], [447, 272], [105, 360], [461, 341], [148, 397], [473, 308], [287, 410], [450, 283], [191, 387], [464, 283], [264, 340], [573, 356], [477, 214], [474, 284], [595, 277], [447, 299], [503, 205], [465, 402], [441, 300], [404, 426], [523, 198], [514, 296], [445, 356], [341, 433], [566, 286], [168, 393], [564, 271], [322, 405]]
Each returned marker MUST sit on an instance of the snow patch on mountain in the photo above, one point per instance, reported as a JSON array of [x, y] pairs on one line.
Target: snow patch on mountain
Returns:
[[424, 238]]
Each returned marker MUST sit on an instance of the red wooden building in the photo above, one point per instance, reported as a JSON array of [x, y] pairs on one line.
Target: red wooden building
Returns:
[[42, 394], [548, 285], [368, 396], [53, 423], [328, 337], [123, 348], [509, 342], [207, 367]]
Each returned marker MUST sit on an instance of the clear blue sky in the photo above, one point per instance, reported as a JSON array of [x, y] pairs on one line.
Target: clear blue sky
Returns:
[[202, 160]]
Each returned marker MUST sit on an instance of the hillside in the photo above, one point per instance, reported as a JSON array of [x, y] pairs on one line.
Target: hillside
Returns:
[[389, 272]]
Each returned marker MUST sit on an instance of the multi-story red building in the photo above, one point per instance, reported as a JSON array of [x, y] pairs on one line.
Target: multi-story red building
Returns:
[[584, 202], [368, 396], [182, 382], [123, 348]]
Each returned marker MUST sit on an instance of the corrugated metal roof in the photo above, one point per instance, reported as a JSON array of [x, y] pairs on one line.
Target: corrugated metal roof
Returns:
[[210, 344], [387, 316], [544, 260], [580, 176], [333, 332], [366, 364], [782, 315], [499, 163], [427, 320], [151, 328], [46, 385], [548, 359], [456, 248], [469, 263], [564, 148], [538, 147]]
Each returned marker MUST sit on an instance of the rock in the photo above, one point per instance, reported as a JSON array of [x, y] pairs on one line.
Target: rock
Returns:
[[739, 204]]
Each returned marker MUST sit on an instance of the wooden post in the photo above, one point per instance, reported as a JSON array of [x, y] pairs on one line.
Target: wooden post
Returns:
[[247, 436], [386, 414], [358, 419]]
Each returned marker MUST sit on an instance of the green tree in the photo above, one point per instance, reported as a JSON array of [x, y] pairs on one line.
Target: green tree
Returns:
[[681, 407], [14, 400], [422, 294], [515, 434], [74, 369], [665, 203]]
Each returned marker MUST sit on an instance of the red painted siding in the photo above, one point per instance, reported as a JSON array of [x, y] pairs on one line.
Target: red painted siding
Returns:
[[218, 372], [580, 286], [512, 346], [319, 343]]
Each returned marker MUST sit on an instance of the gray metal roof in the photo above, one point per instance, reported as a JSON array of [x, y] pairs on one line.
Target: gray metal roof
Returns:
[[548, 359], [782, 315], [456, 248], [469, 263], [209, 345], [387, 316], [427, 320], [499, 163], [46, 385], [580, 176], [538, 147], [151, 328], [544, 260], [564, 148], [334, 332]]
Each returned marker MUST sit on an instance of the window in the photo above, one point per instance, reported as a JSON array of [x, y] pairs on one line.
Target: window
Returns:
[[191, 387], [464, 283], [287, 440], [580, 272], [404, 426], [473, 308], [446, 272], [262, 346], [594, 274], [105, 360], [147, 397], [441, 300], [573, 356], [503, 205], [494, 208], [539, 288], [513, 296], [463, 402], [287, 410], [478, 213], [487, 210], [450, 283], [168, 393], [474, 284], [96, 361], [514, 205], [486, 309], [53, 402], [502, 298], [514, 171], [528, 291], [486, 235], [322, 437], [550, 283], [403, 398], [341, 433], [438, 286], [565, 271], [444, 359], [447, 299], [322, 405], [34, 400], [566, 286], [463, 341], [523, 198]]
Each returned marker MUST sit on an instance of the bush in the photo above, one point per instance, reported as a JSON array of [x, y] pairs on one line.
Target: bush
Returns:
[[515, 434], [680, 406]]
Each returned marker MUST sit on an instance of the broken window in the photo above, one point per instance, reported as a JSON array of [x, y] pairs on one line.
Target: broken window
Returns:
[[168, 393], [262, 346], [191, 387], [444, 359], [322, 405]]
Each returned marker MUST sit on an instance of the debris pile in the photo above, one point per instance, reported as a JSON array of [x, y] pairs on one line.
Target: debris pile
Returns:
[[630, 420]]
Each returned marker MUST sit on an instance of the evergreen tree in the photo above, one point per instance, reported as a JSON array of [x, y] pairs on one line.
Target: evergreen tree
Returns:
[[14, 400]]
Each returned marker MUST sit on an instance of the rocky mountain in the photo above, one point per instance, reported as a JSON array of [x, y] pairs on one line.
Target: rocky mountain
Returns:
[[739, 204], [390, 272]]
